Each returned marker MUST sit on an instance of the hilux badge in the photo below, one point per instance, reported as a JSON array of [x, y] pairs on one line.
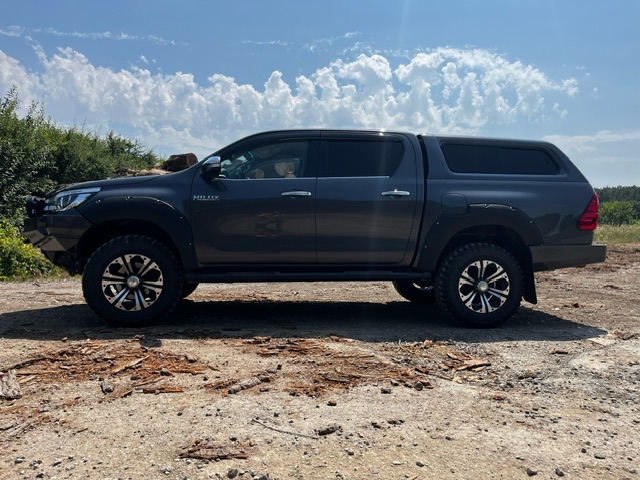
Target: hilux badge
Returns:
[[206, 198]]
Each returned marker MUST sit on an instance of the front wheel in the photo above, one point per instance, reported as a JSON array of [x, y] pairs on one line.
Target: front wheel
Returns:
[[132, 280], [480, 285]]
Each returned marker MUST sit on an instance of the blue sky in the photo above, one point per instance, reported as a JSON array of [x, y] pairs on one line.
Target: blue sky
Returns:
[[194, 75]]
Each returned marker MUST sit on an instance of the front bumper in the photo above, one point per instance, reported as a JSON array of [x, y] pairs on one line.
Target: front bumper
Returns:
[[58, 237], [552, 257]]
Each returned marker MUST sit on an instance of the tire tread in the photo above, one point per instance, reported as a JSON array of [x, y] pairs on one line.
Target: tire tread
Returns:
[[93, 296], [444, 280]]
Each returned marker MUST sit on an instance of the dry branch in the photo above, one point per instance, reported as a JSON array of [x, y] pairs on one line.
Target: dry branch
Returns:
[[284, 431], [202, 449]]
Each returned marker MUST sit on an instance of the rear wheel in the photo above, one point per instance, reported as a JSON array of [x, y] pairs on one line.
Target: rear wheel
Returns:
[[480, 285], [415, 291], [132, 280]]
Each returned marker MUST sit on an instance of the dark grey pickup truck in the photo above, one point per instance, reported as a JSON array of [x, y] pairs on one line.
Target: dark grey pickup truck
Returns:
[[464, 222]]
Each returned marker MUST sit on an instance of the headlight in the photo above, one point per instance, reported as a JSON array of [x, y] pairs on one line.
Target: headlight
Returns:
[[67, 199]]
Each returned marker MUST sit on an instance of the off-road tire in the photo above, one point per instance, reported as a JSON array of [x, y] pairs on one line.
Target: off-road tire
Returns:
[[479, 284], [132, 280]]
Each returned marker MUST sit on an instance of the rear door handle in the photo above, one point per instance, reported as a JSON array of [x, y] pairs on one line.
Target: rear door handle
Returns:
[[296, 193], [396, 193]]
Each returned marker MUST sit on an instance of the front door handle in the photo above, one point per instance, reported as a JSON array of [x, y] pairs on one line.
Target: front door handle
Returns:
[[296, 193], [396, 193]]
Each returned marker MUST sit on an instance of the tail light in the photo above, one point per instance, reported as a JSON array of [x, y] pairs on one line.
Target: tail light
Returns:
[[589, 219]]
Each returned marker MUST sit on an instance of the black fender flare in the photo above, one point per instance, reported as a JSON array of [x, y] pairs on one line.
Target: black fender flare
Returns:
[[519, 233], [174, 224]]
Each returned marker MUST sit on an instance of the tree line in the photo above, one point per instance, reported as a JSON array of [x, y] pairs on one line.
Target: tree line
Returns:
[[619, 205], [37, 155]]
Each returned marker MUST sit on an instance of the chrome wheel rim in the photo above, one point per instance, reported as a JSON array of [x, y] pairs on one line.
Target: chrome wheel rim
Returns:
[[484, 286], [132, 282]]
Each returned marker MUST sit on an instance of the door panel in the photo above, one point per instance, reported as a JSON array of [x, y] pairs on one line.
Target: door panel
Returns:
[[357, 225], [261, 210], [368, 219]]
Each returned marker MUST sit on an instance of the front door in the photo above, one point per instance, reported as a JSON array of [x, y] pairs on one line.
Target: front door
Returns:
[[261, 209]]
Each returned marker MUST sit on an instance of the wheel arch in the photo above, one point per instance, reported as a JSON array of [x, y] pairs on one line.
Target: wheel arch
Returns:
[[505, 227], [115, 217]]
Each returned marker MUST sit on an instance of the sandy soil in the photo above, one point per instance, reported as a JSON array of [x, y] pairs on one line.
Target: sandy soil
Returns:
[[326, 381]]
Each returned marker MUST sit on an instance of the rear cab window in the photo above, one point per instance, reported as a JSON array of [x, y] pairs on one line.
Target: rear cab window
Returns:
[[499, 159]]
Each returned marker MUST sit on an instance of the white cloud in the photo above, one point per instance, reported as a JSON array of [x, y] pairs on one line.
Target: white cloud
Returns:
[[606, 157], [324, 43], [444, 90], [12, 31], [274, 43], [18, 31], [13, 73], [590, 143]]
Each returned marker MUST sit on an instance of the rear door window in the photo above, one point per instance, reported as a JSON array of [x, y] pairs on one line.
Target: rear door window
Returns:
[[362, 158]]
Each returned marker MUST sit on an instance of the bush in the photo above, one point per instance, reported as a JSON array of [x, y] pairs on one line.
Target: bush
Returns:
[[25, 156], [18, 260], [36, 155], [618, 212], [82, 156]]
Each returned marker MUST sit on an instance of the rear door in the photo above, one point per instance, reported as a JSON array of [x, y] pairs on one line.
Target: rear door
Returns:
[[366, 199]]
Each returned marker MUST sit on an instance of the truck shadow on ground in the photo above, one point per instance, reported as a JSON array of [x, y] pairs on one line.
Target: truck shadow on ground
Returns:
[[365, 321]]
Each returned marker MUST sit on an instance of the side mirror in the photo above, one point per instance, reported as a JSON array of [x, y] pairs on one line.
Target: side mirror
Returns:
[[211, 168]]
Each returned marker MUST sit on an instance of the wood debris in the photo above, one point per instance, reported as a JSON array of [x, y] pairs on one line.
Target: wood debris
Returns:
[[329, 429], [327, 366], [163, 389], [13, 408], [444, 360], [9, 386], [248, 383], [207, 449], [88, 359], [128, 365], [473, 364], [18, 428], [558, 351], [287, 432], [235, 385]]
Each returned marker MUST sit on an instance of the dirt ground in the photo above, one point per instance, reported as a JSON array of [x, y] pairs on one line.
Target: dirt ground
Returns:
[[326, 381]]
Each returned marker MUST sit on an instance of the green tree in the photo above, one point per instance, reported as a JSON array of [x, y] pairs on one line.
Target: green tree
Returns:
[[36, 155], [81, 157], [26, 161], [618, 212], [126, 153], [610, 194]]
